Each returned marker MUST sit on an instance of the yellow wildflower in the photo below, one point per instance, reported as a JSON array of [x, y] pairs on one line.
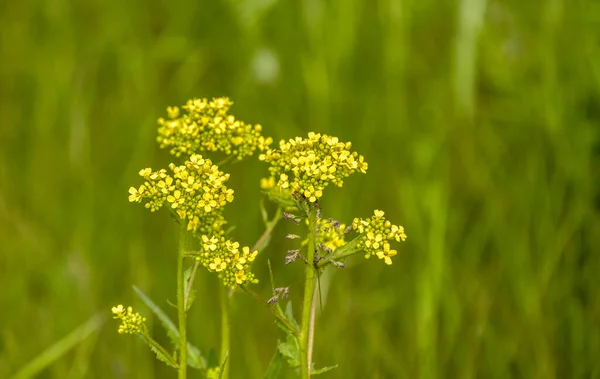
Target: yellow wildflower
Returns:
[[205, 125], [376, 233], [308, 165]]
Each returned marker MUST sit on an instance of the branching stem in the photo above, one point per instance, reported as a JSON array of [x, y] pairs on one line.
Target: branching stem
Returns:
[[307, 330], [225, 331], [181, 306]]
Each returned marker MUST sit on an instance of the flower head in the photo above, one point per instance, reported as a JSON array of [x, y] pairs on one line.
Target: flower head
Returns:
[[131, 322], [308, 165], [195, 191], [376, 235], [227, 259], [202, 125]]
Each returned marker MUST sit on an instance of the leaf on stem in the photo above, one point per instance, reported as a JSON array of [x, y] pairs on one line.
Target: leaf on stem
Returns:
[[322, 370], [195, 358], [275, 367], [161, 353]]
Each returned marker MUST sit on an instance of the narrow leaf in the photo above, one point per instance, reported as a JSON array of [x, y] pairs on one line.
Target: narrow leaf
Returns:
[[194, 357], [160, 351], [222, 368], [169, 325], [60, 348], [290, 315], [322, 370], [275, 367]]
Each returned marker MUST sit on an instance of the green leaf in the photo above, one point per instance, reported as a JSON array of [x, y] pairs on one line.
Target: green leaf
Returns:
[[350, 246], [195, 358], [187, 277], [160, 351], [169, 326], [290, 349], [61, 347], [290, 315], [322, 370], [222, 368], [275, 367]]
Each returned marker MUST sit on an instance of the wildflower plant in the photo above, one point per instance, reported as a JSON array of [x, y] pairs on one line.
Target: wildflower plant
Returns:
[[195, 191]]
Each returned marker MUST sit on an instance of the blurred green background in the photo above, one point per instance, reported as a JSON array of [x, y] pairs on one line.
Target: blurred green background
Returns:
[[480, 121]]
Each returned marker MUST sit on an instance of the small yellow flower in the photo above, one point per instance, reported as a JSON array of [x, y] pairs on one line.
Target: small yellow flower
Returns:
[[145, 172], [173, 112], [135, 195], [267, 183], [210, 243], [175, 199], [386, 254]]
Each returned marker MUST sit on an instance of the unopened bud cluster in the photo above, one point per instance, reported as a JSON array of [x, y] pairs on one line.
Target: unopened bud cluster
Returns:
[[376, 235], [206, 126], [131, 322], [307, 165]]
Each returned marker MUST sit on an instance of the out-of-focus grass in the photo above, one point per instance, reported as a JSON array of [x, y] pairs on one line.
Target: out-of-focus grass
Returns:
[[480, 122]]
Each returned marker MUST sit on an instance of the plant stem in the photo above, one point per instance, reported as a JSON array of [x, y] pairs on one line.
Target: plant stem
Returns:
[[225, 332], [309, 298], [181, 306], [325, 261], [278, 316], [261, 241]]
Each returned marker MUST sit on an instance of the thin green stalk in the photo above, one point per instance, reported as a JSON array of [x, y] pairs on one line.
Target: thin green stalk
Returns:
[[181, 306], [275, 314], [306, 340], [261, 241], [325, 261], [225, 332]]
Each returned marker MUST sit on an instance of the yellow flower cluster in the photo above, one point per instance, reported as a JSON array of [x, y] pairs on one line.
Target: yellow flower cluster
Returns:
[[228, 260], [331, 234], [193, 190], [206, 126], [377, 232], [131, 322], [313, 163]]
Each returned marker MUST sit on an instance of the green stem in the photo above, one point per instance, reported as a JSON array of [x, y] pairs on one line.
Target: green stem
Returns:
[[278, 316], [326, 261], [309, 299], [225, 332], [181, 306], [261, 241]]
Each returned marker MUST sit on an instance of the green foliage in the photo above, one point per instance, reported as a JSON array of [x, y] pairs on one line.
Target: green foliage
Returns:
[[290, 348], [322, 370], [194, 356], [481, 134], [161, 354], [275, 366]]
